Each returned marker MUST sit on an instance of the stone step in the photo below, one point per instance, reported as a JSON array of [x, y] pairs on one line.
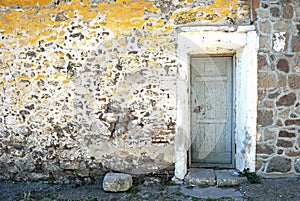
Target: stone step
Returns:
[[229, 178], [200, 177], [211, 177]]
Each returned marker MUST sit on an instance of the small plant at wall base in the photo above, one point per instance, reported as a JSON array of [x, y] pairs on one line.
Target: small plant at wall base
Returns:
[[251, 176], [27, 196], [51, 178]]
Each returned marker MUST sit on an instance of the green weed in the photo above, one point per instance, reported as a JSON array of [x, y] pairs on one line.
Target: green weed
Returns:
[[251, 176], [195, 199], [27, 196]]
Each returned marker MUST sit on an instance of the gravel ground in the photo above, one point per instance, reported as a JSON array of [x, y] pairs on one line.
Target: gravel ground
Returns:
[[153, 189], [280, 189]]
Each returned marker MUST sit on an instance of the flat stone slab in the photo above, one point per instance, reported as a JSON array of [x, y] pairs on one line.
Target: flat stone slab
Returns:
[[117, 182], [200, 177], [229, 178], [213, 192]]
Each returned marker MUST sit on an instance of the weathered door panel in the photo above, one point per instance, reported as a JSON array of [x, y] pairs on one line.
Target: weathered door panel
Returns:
[[211, 111]]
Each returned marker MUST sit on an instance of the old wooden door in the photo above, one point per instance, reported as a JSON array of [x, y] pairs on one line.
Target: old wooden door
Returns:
[[211, 112]]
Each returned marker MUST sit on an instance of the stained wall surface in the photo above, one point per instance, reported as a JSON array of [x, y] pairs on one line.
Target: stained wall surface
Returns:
[[90, 85]]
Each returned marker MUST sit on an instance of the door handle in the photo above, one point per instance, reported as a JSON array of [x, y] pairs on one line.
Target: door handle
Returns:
[[198, 109]]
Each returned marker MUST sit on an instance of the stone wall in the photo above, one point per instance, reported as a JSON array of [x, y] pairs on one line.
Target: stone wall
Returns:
[[89, 85], [278, 142]]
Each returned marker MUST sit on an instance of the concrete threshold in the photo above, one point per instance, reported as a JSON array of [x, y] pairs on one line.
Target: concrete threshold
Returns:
[[211, 177]]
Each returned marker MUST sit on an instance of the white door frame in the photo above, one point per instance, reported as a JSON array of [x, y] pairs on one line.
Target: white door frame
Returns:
[[243, 42]]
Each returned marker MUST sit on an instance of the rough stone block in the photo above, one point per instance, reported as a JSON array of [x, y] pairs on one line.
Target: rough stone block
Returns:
[[294, 81], [116, 182], [201, 177], [265, 117], [282, 25], [296, 58], [262, 62], [286, 100], [286, 134], [265, 26], [283, 65], [290, 122], [292, 153], [297, 165], [264, 42], [229, 178], [284, 143], [258, 165], [297, 110], [282, 80], [284, 113], [296, 43], [279, 123], [287, 12], [262, 13], [275, 11], [260, 96], [266, 80], [274, 95], [264, 149], [279, 164], [269, 134], [269, 104], [298, 27]]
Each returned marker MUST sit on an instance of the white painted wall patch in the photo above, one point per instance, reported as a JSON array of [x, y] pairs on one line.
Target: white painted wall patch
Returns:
[[279, 41]]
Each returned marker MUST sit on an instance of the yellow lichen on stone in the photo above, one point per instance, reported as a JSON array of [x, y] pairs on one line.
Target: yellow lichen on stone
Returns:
[[67, 80], [119, 17], [122, 16], [103, 69], [23, 78], [11, 81], [58, 75], [24, 2], [39, 76], [2, 83], [212, 13], [27, 22]]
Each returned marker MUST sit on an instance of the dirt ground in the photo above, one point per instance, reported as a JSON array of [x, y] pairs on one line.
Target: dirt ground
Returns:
[[282, 189], [153, 188]]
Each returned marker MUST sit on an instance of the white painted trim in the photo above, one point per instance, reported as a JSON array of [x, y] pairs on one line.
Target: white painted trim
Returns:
[[243, 42], [237, 29]]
